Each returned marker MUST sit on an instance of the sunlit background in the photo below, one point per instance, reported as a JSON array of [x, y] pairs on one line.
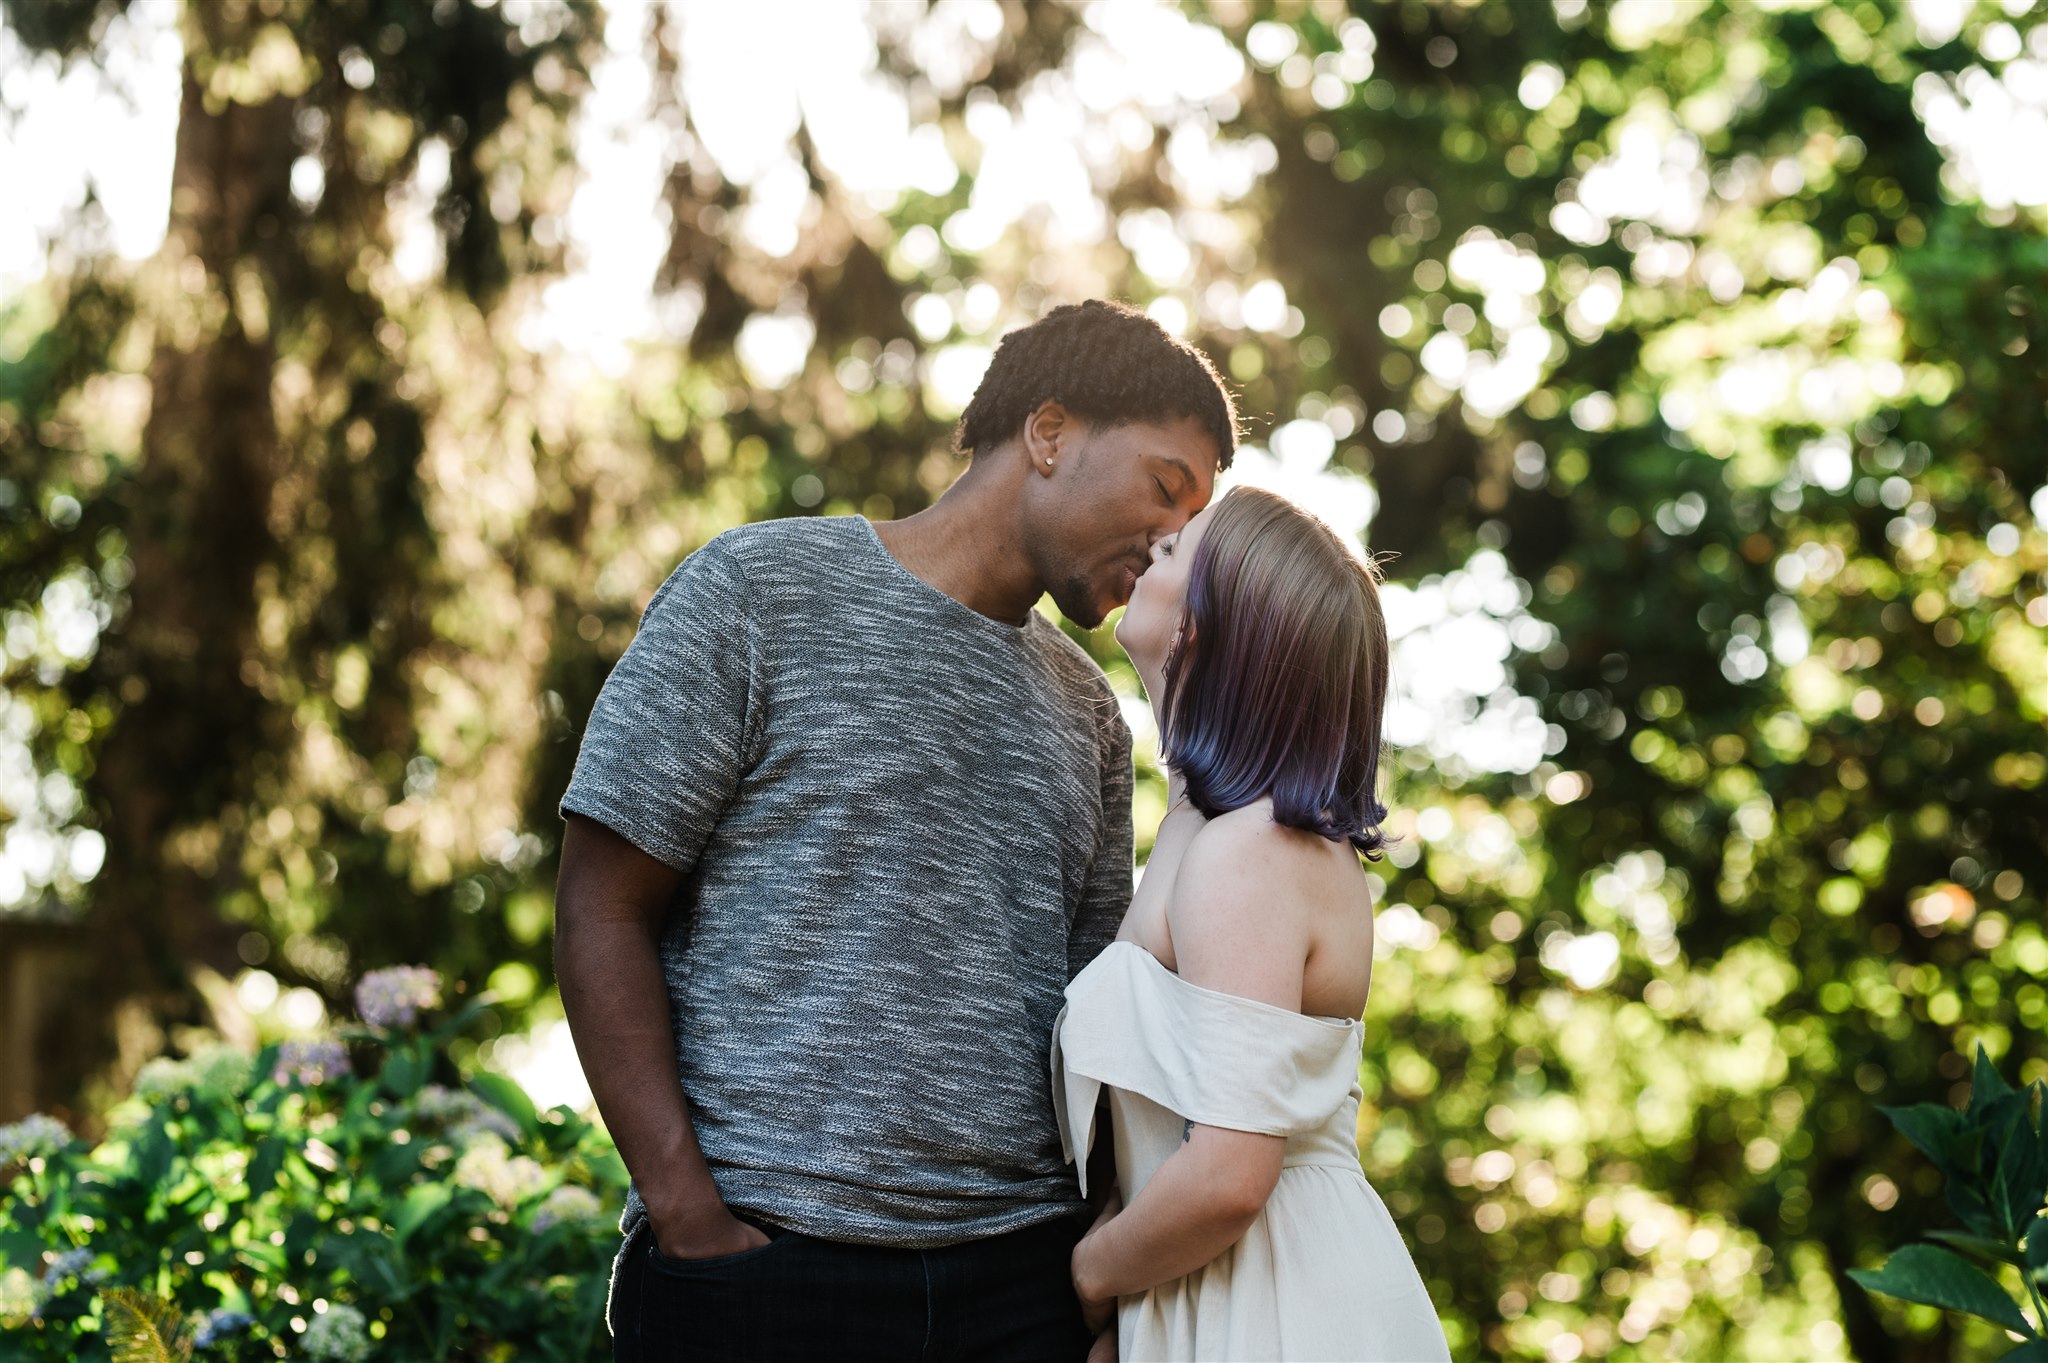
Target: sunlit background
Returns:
[[1682, 354]]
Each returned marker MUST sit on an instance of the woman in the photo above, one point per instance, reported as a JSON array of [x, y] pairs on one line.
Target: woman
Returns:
[[1222, 1025]]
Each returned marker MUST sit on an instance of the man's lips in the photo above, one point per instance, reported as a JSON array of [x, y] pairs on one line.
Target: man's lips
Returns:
[[1132, 569]]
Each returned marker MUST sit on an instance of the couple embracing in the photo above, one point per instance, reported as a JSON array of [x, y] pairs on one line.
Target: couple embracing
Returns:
[[846, 934]]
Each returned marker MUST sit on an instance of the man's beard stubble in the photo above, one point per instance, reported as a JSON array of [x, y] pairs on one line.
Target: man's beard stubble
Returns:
[[1077, 601]]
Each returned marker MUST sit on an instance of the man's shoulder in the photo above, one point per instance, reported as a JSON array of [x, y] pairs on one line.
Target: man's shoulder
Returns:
[[762, 571], [787, 543], [793, 563]]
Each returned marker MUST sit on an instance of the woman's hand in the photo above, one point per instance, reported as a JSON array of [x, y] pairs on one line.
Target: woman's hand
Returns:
[[1098, 1310], [1104, 1350]]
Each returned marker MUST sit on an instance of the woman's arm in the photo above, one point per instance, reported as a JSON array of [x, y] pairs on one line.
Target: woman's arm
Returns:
[[1239, 929], [1199, 1203]]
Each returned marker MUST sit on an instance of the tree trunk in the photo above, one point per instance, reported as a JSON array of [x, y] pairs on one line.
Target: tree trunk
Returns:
[[197, 722]]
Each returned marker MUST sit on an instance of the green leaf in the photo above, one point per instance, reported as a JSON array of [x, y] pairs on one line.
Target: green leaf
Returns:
[[1969, 1170], [1979, 1245], [403, 1073], [1936, 1277], [607, 1170], [266, 1065], [268, 1160], [2020, 1176], [154, 1155], [1987, 1085], [419, 1204], [2033, 1351], [461, 1019], [395, 1165], [266, 1259], [386, 1278], [19, 1246], [300, 1231], [1937, 1130], [510, 1099], [2037, 1249]]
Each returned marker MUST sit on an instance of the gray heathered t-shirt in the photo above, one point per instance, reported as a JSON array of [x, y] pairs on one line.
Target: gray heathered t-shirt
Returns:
[[905, 828]]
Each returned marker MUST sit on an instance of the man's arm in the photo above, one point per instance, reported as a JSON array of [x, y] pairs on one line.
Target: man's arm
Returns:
[[673, 731], [609, 906]]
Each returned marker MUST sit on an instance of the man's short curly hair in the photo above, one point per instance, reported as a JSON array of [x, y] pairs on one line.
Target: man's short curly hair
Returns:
[[1105, 362]]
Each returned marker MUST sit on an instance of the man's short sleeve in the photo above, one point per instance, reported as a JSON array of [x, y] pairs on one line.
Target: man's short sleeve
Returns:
[[676, 725]]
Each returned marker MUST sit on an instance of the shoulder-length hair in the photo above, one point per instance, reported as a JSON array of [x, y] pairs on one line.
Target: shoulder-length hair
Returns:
[[1279, 683]]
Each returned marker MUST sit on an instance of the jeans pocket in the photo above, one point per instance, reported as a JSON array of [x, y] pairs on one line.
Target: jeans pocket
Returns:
[[778, 1238]]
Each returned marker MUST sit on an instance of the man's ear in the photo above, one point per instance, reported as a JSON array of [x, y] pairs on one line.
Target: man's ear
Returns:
[[1046, 430]]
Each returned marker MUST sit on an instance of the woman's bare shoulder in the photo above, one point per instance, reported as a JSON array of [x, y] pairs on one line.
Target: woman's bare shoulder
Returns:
[[1246, 902], [1246, 847]]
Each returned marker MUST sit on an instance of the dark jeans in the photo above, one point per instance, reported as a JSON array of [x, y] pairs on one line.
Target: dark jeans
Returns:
[[1005, 1299]]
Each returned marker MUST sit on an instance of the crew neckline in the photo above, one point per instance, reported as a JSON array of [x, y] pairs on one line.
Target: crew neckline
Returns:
[[1004, 628]]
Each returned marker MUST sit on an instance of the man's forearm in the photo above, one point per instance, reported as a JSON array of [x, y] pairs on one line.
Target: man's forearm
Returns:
[[617, 1004]]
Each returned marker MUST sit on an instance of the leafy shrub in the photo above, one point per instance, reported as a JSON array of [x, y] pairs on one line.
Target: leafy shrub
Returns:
[[1993, 1157], [323, 1199]]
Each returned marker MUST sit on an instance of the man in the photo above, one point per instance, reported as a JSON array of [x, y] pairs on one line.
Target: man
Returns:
[[848, 816]]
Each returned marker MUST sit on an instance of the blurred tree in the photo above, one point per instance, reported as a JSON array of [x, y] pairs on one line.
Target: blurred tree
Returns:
[[223, 455], [1770, 481], [1672, 308], [1672, 325]]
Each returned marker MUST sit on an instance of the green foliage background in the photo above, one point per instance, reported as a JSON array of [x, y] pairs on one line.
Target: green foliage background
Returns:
[[359, 561], [447, 1221]]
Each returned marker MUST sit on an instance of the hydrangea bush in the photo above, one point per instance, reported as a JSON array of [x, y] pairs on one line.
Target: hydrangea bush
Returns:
[[336, 1198]]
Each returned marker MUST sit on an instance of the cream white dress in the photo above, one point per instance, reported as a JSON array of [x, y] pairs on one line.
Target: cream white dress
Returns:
[[1322, 1273]]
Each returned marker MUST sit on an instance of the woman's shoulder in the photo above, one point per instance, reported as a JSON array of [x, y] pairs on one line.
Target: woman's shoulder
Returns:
[[1249, 900], [1246, 844]]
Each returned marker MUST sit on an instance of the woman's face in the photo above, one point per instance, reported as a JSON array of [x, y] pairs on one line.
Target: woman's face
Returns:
[[1146, 630]]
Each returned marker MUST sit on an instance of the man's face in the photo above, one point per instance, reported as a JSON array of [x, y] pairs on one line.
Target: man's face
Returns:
[[1115, 492]]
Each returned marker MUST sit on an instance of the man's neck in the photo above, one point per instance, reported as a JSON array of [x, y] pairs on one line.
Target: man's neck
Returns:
[[968, 546]]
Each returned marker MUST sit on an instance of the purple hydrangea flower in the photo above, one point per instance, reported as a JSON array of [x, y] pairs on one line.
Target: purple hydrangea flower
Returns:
[[489, 1166], [310, 1062], [395, 995], [567, 1203], [462, 1114], [35, 1134], [218, 1070], [337, 1335], [69, 1264], [221, 1324]]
